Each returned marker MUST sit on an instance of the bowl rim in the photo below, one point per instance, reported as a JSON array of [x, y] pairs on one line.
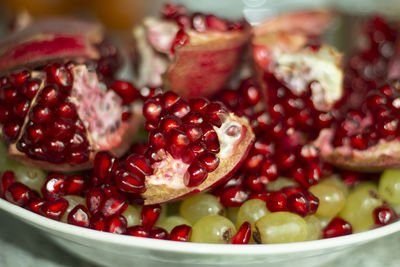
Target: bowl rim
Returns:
[[196, 248]]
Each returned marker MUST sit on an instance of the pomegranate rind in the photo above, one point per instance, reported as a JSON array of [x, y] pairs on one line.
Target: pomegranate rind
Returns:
[[376, 158], [160, 193], [199, 68], [50, 39], [281, 46]]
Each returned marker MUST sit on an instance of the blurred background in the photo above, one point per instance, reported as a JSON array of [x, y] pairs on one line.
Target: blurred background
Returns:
[[121, 15]]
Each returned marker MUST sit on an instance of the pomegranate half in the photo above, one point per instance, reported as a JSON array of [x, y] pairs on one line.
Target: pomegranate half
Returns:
[[59, 102]]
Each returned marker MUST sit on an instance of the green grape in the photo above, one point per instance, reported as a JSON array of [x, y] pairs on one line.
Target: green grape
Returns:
[[213, 229], [173, 208], [331, 199], [132, 216], [314, 227], [280, 183], [251, 211], [73, 201], [168, 223], [195, 207], [164, 211], [280, 227], [5, 162], [32, 177], [231, 213], [337, 182], [389, 186], [359, 207]]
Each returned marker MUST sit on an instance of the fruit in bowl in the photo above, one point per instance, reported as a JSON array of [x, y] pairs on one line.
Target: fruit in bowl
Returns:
[[238, 167]]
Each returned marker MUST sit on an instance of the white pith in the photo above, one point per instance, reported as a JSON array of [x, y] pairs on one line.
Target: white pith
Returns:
[[99, 109], [297, 69], [170, 171]]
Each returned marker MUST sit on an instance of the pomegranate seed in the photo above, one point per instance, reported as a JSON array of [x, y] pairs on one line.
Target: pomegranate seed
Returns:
[[67, 110], [198, 104], [180, 109], [199, 22], [337, 227], [152, 110], [58, 74], [138, 231], [183, 21], [215, 23], [351, 179], [129, 183], [177, 142], [114, 204], [98, 222], [75, 185], [61, 129], [233, 197], [40, 114], [7, 178], [21, 108], [158, 233], [192, 131], [35, 204], [168, 99], [19, 78], [30, 88], [181, 233], [139, 165], [126, 91], [384, 215], [193, 117], [210, 161], [277, 201], [210, 137], [104, 166], [116, 224], [168, 123], [254, 183], [298, 203], [149, 215], [269, 170], [35, 133], [243, 235], [214, 112], [11, 130], [18, 194], [94, 199], [55, 186], [49, 96], [79, 216], [181, 39], [264, 196], [54, 209], [195, 175]]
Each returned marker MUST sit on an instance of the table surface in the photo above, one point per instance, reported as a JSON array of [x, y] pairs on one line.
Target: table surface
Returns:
[[23, 245]]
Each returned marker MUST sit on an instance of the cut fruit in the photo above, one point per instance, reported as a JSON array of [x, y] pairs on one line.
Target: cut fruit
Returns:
[[193, 55], [186, 162]]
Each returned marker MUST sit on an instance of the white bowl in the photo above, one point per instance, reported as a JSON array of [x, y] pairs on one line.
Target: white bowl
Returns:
[[117, 250]]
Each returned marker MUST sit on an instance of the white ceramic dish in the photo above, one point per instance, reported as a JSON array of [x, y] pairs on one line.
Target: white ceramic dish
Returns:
[[116, 250]]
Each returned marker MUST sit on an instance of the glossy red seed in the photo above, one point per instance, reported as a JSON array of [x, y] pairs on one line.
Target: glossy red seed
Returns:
[[76, 184], [264, 196], [243, 234], [114, 204], [40, 114], [157, 139], [337, 227], [195, 175], [54, 209], [35, 133], [215, 112], [183, 21], [215, 23], [149, 215], [128, 182], [233, 196], [139, 165], [98, 222], [94, 199], [61, 129], [181, 233], [21, 108], [152, 110], [49, 96], [7, 178], [269, 169], [277, 201], [18, 194], [58, 74], [79, 216], [198, 104], [177, 143], [168, 123], [35, 204], [126, 91], [17, 79], [181, 39], [11, 130], [210, 137], [199, 22], [55, 186], [254, 183], [138, 231], [298, 203], [158, 233], [67, 111], [210, 161], [30, 88], [5, 113], [180, 109], [384, 215], [104, 166], [116, 224], [168, 99]]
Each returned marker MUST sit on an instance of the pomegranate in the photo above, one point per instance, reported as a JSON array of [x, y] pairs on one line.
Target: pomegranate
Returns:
[[193, 146], [55, 108], [191, 54], [289, 49]]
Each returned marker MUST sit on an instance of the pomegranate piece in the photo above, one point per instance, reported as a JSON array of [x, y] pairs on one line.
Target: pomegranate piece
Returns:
[[183, 165], [243, 234], [79, 216], [58, 113], [288, 48], [54, 209], [181, 233], [337, 227], [116, 224], [18, 194], [365, 139], [191, 54]]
